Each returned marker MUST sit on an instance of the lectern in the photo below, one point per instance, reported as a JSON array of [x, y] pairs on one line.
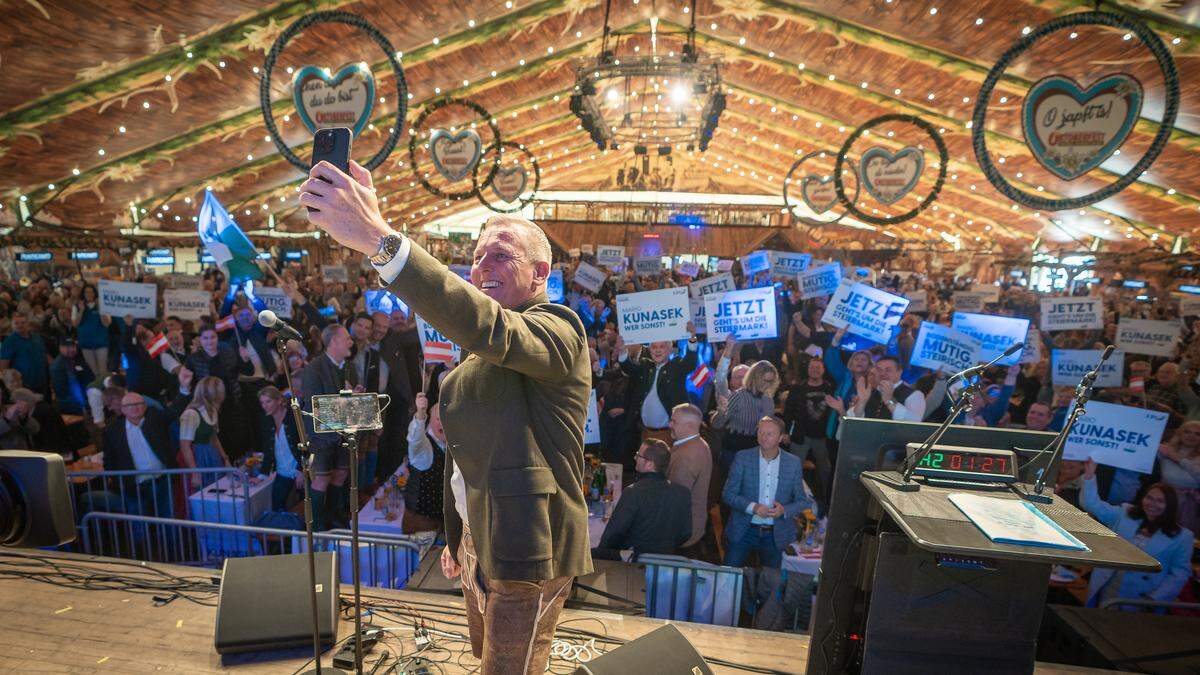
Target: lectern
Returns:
[[910, 585]]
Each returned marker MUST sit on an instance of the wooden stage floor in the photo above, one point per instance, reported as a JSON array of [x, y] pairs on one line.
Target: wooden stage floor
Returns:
[[50, 629]]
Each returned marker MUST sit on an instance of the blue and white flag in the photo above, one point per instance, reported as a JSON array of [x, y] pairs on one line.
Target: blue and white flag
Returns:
[[226, 242]]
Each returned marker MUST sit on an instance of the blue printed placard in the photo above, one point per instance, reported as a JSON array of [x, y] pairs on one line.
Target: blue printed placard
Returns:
[[758, 261], [996, 333], [747, 314], [865, 311], [940, 347], [554, 286], [1121, 436], [653, 316]]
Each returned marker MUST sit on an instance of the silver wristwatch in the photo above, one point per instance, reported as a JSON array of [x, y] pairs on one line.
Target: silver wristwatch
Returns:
[[389, 246]]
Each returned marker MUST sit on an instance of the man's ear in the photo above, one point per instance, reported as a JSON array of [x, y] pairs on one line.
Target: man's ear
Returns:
[[541, 272]]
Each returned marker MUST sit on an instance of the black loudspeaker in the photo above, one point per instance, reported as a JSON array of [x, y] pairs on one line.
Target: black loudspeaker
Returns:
[[264, 603], [664, 652]]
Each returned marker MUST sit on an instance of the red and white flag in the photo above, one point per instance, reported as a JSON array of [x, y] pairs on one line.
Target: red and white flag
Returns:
[[1137, 384], [157, 345], [701, 376], [225, 324], [443, 352]]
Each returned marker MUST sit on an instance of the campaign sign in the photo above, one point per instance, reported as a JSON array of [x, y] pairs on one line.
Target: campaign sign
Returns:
[[699, 318], [1189, 305], [865, 311], [788, 265], [121, 298], [918, 301], [747, 315], [572, 253], [940, 347], [554, 286], [996, 333], [381, 300], [276, 300], [990, 292], [334, 274], [689, 269], [1144, 336], [186, 304], [1072, 313], [590, 277], [463, 271], [609, 255], [1068, 366], [1032, 353], [435, 346], [724, 265], [647, 266], [1121, 436], [720, 283], [591, 428], [185, 281], [586, 249], [969, 301], [823, 280], [758, 261], [653, 316]]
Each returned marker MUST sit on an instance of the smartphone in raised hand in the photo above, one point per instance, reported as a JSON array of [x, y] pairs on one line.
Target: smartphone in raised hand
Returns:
[[332, 145]]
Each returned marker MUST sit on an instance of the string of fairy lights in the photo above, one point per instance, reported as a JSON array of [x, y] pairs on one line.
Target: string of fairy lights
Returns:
[[1088, 222]]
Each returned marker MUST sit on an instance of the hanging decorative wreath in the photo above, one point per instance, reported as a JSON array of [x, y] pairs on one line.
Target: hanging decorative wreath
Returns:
[[264, 85], [814, 190], [864, 161], [459, 139], [1166, 63], [509, 184]]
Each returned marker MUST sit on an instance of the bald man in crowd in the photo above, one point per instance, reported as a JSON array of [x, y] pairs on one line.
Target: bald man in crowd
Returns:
[[513, 414], [691, 466]]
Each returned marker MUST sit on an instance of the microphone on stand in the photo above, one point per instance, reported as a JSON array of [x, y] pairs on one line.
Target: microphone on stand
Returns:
[[268, 319], [1083, 393], [979, 368]]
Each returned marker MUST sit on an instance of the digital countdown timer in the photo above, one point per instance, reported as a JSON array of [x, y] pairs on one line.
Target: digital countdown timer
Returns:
[[945, 461]]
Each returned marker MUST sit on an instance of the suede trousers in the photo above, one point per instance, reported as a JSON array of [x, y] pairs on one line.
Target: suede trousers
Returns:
[[511, 622]]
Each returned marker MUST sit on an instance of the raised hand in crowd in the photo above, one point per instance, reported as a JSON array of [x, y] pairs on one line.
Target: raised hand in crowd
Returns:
[[421, 401]]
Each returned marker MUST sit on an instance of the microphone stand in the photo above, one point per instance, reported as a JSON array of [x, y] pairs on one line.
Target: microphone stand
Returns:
[[306, 466]]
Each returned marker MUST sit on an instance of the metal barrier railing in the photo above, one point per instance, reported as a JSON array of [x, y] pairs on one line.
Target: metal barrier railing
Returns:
[[681, 589], [219, 494], [386, 561], [1151, 604]]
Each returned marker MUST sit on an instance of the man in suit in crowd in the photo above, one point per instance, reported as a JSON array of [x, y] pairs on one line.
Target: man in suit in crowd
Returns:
[[691, 466], [654, 515], [140, 440], [328, 373], [765, 493], [659, 382], [395, 340], [513, 414]]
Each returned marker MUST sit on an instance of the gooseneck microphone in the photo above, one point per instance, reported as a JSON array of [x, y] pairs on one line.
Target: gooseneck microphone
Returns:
[[268, 319], [973, 370]]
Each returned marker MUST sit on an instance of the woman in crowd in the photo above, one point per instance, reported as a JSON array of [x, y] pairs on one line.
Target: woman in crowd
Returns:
[[92, 330], [199, 445], [280, 441], [745, 408], [806, 414], [1151, 524], [1179, 463]]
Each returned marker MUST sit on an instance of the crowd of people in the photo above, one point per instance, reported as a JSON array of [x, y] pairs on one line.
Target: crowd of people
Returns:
[[729, 448]]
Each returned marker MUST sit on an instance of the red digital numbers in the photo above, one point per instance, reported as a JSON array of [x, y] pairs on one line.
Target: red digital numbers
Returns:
[[1002, 463], [987, 464], [956, 461]]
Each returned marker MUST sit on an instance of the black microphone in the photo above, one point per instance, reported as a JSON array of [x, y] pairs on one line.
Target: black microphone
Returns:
[[267, 319], [1089, 378], [967, 372]]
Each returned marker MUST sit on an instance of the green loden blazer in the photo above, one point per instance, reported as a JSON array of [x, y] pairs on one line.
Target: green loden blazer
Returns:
[[513, 413]]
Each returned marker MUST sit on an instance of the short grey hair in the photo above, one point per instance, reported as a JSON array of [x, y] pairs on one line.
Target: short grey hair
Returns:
[[538, 244]]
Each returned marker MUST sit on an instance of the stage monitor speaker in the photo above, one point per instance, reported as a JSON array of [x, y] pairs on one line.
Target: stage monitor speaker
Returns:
[[264, 603], [664, 652]]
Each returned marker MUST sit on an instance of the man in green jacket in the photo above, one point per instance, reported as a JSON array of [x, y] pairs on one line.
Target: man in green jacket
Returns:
[[513, 413]]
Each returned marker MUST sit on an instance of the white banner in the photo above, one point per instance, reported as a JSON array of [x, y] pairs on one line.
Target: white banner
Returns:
[[276, 300], [609, 255], [435, 346], [653, 316], [191, 282], [586, 249], [554, 286], [940, 347], [747, 315], [1117, 435], [969, 301], [1032, 353], [591, 428], [699, 317], [590, 277], [1072, 313], [753, 263], [1189, 305], [996, 333], [724, 265], [334, 274], [121, 298], [187, 305], [689, 269], [1067, 366], [647, 266], [720, 283], [865, 311], [1144, 336], [819, 281], [787, 264]]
